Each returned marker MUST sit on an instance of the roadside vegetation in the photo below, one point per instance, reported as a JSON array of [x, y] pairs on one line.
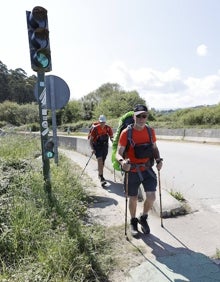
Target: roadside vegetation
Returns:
[[73, 116], [177, 195], [19, 109], [217, 255], [46, 236]]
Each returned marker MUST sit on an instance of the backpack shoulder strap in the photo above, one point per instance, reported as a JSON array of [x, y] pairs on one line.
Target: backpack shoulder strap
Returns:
[[108, 129], [95, 130], [150, 133], [129, 135]]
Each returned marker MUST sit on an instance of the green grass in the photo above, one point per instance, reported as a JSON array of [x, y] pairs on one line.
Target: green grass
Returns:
[[217, 255], [45, 236], [177, 195]]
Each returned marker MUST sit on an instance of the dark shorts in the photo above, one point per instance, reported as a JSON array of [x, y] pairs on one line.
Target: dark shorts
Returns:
[[101, 151], [149, 182]]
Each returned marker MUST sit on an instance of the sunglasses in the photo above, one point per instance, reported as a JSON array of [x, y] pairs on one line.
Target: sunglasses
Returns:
[[141, 116]]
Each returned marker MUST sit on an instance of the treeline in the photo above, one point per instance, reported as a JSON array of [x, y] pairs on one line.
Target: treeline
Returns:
[[200, 117], [16, 86], [109, 99], [74, 115], [18, 106]]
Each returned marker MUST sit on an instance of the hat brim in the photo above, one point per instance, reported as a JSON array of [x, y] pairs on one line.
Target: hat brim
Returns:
[[139, 112]]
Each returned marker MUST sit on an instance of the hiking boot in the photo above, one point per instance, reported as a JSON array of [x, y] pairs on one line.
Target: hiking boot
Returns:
[[102, 179], [143, 222], [134, 227]]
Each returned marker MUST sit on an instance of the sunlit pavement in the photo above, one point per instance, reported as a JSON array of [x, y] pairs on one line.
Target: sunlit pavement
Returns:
[[178, 251]]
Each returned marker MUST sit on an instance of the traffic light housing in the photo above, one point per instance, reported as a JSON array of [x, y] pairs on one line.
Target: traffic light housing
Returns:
[[38, 36], [49, 149]]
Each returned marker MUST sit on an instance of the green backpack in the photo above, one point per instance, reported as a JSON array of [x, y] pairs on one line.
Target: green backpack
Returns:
[[126, 120]]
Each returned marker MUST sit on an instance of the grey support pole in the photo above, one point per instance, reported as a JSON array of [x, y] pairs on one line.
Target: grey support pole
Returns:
[[42, 101]]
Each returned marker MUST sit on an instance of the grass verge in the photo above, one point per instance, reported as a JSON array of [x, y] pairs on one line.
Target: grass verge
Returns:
[[45, 236]]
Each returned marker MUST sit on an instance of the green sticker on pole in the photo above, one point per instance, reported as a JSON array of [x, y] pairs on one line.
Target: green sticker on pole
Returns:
[[57, 92]]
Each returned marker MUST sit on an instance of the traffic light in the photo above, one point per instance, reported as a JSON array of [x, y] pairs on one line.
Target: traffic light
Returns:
[[49, 149], [39, 43]]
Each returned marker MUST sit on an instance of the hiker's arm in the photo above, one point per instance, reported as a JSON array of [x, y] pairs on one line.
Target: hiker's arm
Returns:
[[111, 134], [91, 144], [157, 157], [119, 156]]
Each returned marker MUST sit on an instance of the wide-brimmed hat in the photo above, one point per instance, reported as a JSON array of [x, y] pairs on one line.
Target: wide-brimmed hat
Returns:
[[102, 118], [139, 109]]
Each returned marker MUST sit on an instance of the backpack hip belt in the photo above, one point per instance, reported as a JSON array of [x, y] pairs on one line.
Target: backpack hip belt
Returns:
[[147, 167], [99, 143]]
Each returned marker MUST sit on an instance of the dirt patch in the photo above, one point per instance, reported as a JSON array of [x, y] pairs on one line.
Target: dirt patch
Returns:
[[125, 254], [103, 210]]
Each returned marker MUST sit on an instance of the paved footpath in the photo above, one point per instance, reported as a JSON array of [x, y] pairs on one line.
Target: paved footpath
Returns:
[[181, 250]]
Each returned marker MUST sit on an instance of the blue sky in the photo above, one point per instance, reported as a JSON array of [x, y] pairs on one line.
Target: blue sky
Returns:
[[167, 50]]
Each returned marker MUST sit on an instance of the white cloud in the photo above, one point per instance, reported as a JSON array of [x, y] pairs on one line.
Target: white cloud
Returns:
[[168, 89], [202, 50]]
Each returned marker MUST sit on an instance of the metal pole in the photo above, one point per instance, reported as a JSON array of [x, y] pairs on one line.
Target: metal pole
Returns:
[[86, 164], [42, 102], [114, 176], [161, 213], [126, 201], [54, 122]]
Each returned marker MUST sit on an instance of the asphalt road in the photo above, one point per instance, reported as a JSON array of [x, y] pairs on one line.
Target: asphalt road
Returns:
[[193, 170]]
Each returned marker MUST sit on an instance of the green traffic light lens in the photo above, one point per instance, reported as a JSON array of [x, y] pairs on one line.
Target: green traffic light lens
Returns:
[[42, 60], [49, 155]]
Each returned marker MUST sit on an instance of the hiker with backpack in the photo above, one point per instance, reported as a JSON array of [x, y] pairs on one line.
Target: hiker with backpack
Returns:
[[99, 136], [136, 152]]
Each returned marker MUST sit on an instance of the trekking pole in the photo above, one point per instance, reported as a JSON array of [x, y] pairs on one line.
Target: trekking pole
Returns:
[[161, 215], [126, 202], [86, 164]]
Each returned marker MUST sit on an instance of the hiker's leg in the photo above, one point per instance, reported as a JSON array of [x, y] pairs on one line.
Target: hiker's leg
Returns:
[[104, 153], [133, 205], [133, 185], [149, 201], [150, 184], [100, 165], [132, 189]]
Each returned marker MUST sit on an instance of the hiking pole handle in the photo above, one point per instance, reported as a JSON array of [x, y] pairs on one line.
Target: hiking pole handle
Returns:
[[125, 162]]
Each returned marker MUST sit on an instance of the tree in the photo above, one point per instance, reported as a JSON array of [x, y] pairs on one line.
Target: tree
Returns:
[[17, 115], [16, 86], [92, 100], [111, 100], [4, 88], [118, 103], [21, 89], [72, 112]]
